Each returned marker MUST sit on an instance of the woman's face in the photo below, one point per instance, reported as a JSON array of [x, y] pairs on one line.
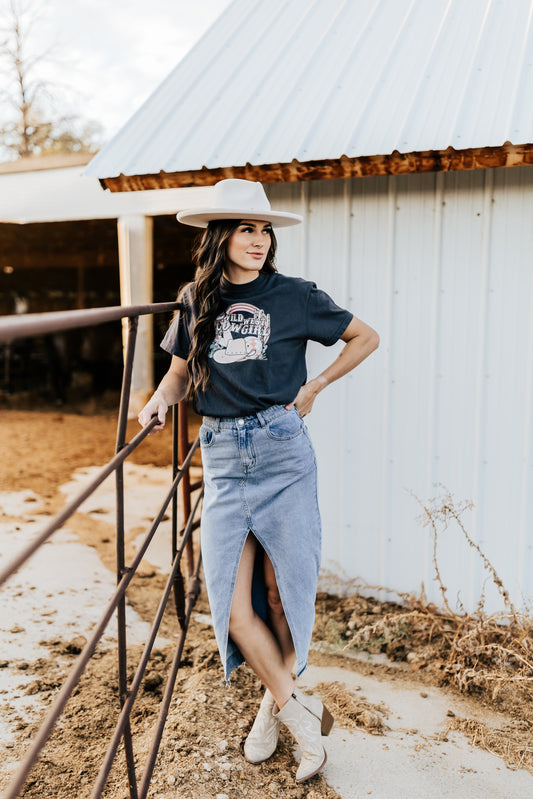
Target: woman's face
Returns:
[[246, 251]]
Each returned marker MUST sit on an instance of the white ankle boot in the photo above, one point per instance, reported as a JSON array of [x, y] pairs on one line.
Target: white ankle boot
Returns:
[[263, 737], [307, 719]]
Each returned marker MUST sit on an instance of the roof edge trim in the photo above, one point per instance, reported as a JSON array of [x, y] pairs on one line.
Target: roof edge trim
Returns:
[[395, 163]]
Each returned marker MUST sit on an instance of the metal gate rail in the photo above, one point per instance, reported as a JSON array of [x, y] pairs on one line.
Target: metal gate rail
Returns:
[[14, 327]]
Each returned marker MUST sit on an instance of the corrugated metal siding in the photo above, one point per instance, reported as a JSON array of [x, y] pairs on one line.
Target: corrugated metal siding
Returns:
[[277, 80], [442, 266]]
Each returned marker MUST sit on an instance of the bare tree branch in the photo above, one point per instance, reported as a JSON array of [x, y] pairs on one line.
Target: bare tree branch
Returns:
[[35, 124]]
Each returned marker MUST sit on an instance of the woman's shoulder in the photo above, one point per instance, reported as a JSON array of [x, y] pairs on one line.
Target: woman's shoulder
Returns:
[[298, 285], [187, 294]]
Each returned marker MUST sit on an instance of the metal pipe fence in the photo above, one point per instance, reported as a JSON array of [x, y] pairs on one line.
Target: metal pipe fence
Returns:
[[181, 545]]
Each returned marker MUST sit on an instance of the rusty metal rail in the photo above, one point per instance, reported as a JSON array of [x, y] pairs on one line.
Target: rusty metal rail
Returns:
[[14, 327]]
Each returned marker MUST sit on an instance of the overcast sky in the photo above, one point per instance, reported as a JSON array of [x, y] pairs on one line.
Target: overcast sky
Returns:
[[116, 52]]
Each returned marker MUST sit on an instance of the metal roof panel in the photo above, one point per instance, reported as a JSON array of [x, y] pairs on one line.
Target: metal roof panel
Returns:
[[318, 79]]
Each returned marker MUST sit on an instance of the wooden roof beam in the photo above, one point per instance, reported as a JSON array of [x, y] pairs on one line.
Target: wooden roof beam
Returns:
[[365, 166]]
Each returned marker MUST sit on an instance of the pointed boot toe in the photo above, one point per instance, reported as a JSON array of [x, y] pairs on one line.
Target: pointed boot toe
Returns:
[[306, 718], [262, 739], [308, 767]]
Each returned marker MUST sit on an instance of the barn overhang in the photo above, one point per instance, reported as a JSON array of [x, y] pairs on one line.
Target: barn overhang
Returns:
[[58, 247], [395, 163]]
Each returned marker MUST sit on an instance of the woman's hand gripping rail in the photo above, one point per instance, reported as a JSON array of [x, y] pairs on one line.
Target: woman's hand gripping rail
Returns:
[[172, 389]]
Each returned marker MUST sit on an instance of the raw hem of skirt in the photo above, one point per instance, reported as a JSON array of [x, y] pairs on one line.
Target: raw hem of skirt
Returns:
[[301, 671], [230, 668]]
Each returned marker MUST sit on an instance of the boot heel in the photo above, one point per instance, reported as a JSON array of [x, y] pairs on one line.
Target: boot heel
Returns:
[[327, 721]]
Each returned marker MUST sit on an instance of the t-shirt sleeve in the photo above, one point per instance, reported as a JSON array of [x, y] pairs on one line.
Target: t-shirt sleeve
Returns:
[[326, 321], [177, 339]]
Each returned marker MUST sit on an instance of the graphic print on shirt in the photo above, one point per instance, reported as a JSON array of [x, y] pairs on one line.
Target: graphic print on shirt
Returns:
[[241, 334]]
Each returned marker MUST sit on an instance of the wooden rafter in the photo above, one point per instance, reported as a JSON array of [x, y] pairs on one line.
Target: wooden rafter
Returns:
[[394, 164]]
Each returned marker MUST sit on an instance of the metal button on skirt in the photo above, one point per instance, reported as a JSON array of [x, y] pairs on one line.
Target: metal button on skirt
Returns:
[[260, 477]]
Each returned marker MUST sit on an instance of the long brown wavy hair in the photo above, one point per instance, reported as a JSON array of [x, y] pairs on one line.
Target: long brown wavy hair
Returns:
[[209, 256]]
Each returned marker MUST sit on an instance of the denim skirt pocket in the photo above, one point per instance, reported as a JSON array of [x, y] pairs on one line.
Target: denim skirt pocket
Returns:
[[207, 436], [285, 427]]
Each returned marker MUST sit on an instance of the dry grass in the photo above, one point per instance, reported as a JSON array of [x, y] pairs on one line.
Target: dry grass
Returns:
[[513, 745], [479, 651], [352, 711]]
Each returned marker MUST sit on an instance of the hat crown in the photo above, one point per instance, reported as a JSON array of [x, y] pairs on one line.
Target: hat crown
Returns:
[[235, 198], [233, 193]]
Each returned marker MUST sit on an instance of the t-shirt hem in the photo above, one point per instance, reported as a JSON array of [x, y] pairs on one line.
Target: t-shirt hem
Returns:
[[173, 351], [339, 331]]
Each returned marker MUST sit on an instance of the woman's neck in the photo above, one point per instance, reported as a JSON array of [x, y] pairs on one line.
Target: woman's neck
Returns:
[[240, 276]]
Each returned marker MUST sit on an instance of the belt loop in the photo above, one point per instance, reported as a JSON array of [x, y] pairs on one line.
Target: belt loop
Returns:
[[261, 418]]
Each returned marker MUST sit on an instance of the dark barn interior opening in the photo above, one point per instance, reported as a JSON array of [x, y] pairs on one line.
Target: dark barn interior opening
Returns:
[[57, 266]]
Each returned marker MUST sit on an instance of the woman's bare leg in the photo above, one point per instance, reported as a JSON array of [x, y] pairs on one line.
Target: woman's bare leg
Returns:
[[254, 638], [276, 616]]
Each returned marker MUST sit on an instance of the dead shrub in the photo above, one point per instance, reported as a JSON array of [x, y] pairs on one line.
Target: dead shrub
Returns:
[[476, 651]]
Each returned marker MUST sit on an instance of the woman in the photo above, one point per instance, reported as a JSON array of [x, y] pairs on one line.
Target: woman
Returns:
[[238, 350]]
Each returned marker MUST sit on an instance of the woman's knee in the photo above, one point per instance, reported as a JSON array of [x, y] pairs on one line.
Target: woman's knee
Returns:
[[275, 604], [240, 618], [241, 611]]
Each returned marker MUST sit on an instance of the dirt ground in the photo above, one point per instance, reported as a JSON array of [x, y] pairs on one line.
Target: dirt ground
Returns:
[[201, 752]]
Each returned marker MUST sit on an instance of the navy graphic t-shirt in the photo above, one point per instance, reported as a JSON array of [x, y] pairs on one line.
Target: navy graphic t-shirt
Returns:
[[257, 358]]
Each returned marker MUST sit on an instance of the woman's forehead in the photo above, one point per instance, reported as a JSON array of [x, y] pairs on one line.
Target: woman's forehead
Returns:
[[256, 222]]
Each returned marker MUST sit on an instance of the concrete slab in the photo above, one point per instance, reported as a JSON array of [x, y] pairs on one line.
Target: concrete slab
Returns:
[[409, 761]]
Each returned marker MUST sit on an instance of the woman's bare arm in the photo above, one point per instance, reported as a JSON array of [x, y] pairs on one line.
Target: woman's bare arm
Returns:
[[171, 389], [360, 340]]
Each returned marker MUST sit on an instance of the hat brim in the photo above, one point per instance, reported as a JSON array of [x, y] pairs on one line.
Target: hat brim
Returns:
[[200, 217]]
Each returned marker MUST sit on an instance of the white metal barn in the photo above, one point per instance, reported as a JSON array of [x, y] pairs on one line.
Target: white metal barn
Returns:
[[391, 125]]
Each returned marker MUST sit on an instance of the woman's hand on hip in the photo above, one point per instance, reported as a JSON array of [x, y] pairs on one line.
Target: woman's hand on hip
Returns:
[[306, 396], [359, 341]]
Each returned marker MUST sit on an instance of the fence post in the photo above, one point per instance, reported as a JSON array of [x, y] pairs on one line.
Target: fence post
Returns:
[[121, 609], [135, 246], [183, 447]]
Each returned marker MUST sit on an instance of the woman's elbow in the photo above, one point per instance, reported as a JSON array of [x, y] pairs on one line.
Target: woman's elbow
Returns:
[[366, 338], [370, 340]]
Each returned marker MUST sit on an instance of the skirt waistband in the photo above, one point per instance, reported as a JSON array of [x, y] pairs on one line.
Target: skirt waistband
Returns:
[[259, 419]]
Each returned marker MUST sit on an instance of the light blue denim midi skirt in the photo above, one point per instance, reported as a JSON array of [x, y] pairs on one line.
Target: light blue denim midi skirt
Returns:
[[260, 477]]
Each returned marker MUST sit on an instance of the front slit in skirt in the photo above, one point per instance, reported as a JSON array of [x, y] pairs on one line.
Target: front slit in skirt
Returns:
[[260, 477]]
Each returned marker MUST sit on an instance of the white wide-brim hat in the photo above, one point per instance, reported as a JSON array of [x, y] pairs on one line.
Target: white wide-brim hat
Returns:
[[238, 199]]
